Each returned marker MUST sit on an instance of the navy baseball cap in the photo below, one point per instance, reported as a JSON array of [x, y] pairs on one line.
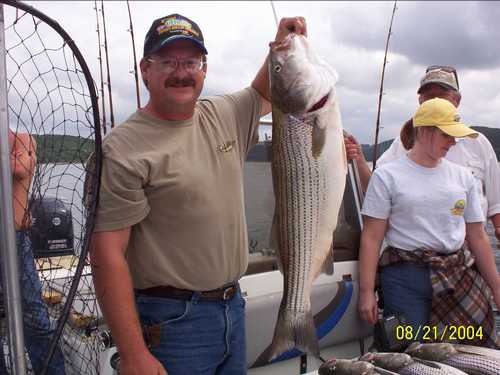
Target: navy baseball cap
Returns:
[[173, 27]]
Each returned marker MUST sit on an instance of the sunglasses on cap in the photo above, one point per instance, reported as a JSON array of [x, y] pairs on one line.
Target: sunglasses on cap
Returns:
[[444, 68]]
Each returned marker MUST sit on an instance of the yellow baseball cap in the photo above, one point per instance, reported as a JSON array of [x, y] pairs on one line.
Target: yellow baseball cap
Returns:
[[443, 115]]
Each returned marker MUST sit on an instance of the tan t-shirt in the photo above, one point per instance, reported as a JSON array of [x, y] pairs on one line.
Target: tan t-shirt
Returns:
[[179, 184]]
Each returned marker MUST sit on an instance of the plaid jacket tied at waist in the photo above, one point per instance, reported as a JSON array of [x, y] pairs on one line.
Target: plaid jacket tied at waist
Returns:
[[461, 297]]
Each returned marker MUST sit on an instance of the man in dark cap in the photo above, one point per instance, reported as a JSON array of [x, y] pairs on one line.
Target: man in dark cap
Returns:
[[170, 240]]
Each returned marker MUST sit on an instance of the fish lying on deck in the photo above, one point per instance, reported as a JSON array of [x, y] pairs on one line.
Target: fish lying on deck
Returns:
[[351, 367], [471, 360], [471, 349], [450, 370], [404, 364], [309, 171]]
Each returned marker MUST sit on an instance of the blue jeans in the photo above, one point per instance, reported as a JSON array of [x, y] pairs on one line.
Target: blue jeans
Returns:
[[407, 290], [37, 326], [196, 337]]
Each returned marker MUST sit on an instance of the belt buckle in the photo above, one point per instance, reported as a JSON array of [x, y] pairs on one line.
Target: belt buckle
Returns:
[[228, 293]]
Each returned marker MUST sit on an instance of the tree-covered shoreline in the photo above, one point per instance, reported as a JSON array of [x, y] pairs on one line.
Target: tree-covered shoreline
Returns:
[[69, 149], [55, 148]]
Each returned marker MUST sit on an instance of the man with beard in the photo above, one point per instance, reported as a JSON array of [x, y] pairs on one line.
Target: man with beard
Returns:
[[170, 241]]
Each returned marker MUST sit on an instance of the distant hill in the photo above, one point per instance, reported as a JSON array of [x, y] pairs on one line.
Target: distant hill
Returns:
[[69, 148], [62, 148], [492, 134], [368, 149], [261, 152]]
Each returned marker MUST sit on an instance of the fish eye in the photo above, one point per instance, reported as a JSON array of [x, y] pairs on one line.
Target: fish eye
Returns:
[[277, 68]]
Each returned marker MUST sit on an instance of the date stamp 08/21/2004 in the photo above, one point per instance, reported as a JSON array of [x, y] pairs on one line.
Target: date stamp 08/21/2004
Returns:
[[434, 333]]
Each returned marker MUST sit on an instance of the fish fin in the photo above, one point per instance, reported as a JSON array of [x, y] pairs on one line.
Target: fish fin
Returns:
[[337, 119], [328, 262], [318, 138], [294, 330], [274, 243], [414, 346]]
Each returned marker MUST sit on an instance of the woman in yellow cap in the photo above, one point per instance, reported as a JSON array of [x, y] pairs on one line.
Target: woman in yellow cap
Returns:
[[424, 206]]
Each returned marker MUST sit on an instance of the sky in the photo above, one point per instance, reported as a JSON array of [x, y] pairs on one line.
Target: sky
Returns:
[[351, 36]]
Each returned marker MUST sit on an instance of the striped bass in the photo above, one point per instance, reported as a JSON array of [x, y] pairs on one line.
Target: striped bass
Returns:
[[404, 364], [472, 362], [471, 349], [309, 171]]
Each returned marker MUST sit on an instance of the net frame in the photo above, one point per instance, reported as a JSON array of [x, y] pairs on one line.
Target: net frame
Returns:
[[90, 172]]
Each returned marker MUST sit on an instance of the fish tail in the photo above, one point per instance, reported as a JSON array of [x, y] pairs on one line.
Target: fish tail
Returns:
[[294, 330]]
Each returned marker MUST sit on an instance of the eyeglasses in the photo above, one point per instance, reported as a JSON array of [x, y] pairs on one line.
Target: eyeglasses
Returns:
[[444, 68], [169, 65]]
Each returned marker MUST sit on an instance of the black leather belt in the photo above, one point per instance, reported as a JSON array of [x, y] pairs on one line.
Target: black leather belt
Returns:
[[224, 293]]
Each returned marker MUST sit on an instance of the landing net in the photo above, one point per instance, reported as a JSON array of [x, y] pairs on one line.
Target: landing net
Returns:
[[53, 115]]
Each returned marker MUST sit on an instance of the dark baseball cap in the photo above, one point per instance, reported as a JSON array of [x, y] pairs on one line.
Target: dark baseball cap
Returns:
[[167, 29]]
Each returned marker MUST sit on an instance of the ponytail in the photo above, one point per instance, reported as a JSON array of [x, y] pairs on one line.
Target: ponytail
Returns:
[[407, 134]]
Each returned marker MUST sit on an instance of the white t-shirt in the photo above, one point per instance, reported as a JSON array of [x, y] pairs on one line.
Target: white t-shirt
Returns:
[[425, 207], [475, 154]]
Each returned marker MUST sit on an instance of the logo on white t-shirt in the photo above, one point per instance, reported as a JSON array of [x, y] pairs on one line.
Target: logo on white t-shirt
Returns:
[[459, 208]]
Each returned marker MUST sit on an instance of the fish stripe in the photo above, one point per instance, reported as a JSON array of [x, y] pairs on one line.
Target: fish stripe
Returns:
[[474, 364], [300, 182]]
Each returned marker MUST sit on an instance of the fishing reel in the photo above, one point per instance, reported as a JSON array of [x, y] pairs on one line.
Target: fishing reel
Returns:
[[385, 337]]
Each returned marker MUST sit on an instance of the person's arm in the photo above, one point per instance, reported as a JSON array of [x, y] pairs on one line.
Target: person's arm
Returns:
[[495, 220], [22, 155], [484, 155], [261, 80], [114, 291], [491, 182], [371, 240], [355, 153], [479, 245]]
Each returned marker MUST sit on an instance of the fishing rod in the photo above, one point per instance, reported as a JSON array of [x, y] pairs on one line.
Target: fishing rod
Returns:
[[131, 29], [103, 104], [274, 12], [377, 126], [111, 115]]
